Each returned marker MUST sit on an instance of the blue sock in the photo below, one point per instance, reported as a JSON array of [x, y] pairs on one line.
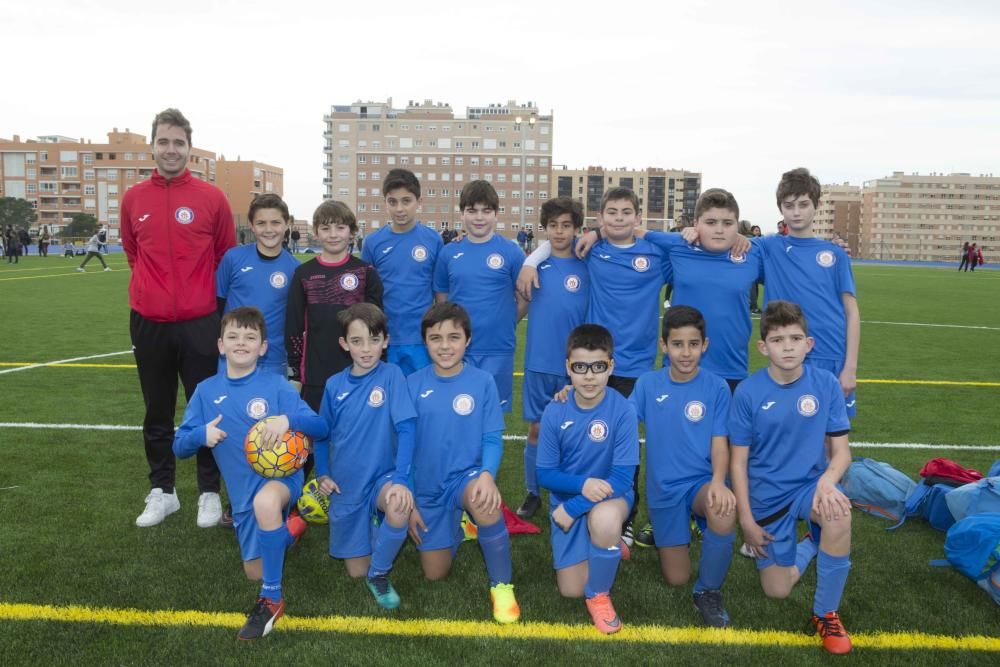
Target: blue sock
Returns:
[[388, 541], [831, 577], [495, 543], [272, 554], [530, 463], [716, 554], [805, 551], [602, 566]]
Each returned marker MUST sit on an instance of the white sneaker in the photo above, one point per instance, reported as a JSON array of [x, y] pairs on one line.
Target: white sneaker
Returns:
[[158, 506], [666, 303], [81, 269], [209, 510], [747, 551], [107, 268]]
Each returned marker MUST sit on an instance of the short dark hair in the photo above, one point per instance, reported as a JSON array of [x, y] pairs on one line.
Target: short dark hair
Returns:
[[401, 178], [615, 194], [782, 314], [171, 117], [333, 212], [268, 200], [796, 183], [244, 317], [478, 192], [553, 208], [442, 312], [677, 317], [591, 337], [369, 314], [716, 198]]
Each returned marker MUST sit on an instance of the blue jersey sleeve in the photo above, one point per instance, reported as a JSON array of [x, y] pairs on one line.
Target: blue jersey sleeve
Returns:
[[400, 402], [547, 463], [300, 416], [191, 434], [492, 452], [441, 273], [845, 274], [493, 417], [638, 398], [837, 421], [723, 401], [366, 252], [741, 418], [626, 438], [406, 442], [223, 275], [321, 446]]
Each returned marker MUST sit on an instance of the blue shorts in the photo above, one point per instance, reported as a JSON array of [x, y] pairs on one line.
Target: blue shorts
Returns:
[[537, 391], [352, 527], [835, 367], [245, 523], [573, 546], [442, 515], [781, 550], [501, 367], [672, 524], [409, 358]]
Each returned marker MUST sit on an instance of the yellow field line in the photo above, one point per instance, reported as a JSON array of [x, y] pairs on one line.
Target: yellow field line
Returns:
[[364, 625], [56, 275]]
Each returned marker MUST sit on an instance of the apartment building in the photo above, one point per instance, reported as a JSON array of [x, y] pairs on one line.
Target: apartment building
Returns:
[[242, 180], [839, 214]]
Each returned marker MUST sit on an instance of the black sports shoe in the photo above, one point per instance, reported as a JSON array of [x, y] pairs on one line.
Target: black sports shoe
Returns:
[[262, 619], [709, 605], [227, 517], [628, 537], [529, 506], [645, 537]]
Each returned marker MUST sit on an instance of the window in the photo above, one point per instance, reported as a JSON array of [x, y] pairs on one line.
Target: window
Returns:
[[459, 161], [344, 127], [376, 176], [362, 192], [474, 161], [88, 174], [43, 156], [89, 204], [362, 176], [344, 143], [418, 160], [376, 159], [430, 192], [343, 192], [69, 172], [343, 158], [501, 162], [488, 162], [128, 156], [88, 158], [48, 186], [362, 159], [112, 188], [32, 188], [90, 190], [362, 208], [374, 209], [30, 158], [445, 161], [343, 175], [31, 172], [376, 192], [130, 173], [501, 226]]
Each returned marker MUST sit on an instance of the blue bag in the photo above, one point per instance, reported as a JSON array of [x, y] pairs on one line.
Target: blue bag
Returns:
[[877, 488], [972, 547], [975, 498], [929, 501], [995, 469]]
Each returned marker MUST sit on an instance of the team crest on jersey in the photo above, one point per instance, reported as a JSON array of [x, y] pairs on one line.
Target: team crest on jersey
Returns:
[[278, 280], [257, 408], [694, 411], [597, 430], [826, 258], [495, 261], [807, 405], [376, 397], [572, 283], [184, 215], [349, 281], [419, 253], [741, 259], [463, 404], [640, 263]]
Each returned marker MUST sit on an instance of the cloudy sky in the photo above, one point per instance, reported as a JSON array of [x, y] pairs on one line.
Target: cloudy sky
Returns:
[[740, 91]]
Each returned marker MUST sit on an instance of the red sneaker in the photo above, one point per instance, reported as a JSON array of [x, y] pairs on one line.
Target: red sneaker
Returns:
[[296, 525], [835, 637]]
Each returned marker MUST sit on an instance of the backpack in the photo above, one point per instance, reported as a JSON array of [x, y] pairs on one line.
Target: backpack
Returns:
[[975, 498], [929, 502], [877, 488], [946, 471], [994, 469], [970, 546]]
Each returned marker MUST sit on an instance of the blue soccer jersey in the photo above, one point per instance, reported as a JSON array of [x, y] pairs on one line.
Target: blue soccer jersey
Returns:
[[246, 278], [405, 263], [785, 427], [625, 286], [453, 414], [363, 412], [557, 307], [242, 403], [481, 278], [588, 441], [718, 285], [815, 274], [681, 419]]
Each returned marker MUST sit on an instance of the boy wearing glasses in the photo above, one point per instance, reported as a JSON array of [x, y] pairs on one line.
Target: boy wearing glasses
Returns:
[[588, 451], [479, 273]]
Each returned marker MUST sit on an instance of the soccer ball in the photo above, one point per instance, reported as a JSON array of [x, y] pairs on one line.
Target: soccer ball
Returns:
[[287, 456], [313, 504]]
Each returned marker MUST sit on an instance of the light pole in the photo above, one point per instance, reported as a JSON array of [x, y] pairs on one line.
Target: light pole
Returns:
[[519, 125]]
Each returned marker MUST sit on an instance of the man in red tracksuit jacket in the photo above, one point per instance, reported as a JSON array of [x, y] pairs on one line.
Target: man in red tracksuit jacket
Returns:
[[175, 228]]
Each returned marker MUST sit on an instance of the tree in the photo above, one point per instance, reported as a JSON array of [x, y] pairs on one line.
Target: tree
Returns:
[[16, 212], [83, 224]]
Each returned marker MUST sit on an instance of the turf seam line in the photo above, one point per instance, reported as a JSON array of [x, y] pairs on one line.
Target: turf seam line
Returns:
[[65, 361]]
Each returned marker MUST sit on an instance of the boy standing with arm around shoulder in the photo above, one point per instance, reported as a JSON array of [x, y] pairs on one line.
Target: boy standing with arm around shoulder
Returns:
[[557, 307], [404, 252], [458, 452], [587, 455], [780, 417], [686, 409], [365, 465], [222, 409]]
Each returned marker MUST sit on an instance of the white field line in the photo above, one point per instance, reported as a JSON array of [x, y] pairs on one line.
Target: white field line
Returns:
[[925, 324], [508, 437], [63, 361]]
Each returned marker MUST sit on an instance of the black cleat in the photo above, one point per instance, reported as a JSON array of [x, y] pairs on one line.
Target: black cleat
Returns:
[[262, 619], [529, 506]]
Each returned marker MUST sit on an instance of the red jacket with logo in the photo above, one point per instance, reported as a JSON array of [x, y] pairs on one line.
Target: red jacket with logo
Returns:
[[174, 234]]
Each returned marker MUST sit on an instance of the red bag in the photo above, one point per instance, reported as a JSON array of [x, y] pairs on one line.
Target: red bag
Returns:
[[946, 471]]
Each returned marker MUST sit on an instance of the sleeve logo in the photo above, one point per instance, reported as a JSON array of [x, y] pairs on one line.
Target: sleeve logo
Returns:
[[184, 215], [597, 430], [377, 397], [278, 280], [826, 258], [257, 408], [694, 411], [640, 263], [349, 281], [572, 283], [419, 253], [807, 405], [495, 261], [463, 404]]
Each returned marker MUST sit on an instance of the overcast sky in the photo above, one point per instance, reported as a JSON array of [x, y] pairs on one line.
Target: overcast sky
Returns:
[[740, 91]]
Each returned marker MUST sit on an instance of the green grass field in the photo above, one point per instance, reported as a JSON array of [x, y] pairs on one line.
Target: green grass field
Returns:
[[69, 497]]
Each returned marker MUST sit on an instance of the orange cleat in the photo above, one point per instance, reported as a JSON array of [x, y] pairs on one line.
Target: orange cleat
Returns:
[[603, 614], [835, 637]]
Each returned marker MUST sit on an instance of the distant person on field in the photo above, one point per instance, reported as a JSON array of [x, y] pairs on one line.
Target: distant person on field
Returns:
[[973, 254], [25, 240], [755, 289], [295, 239], [93, 250], [964, 263], [44, 239], [175, 229]]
